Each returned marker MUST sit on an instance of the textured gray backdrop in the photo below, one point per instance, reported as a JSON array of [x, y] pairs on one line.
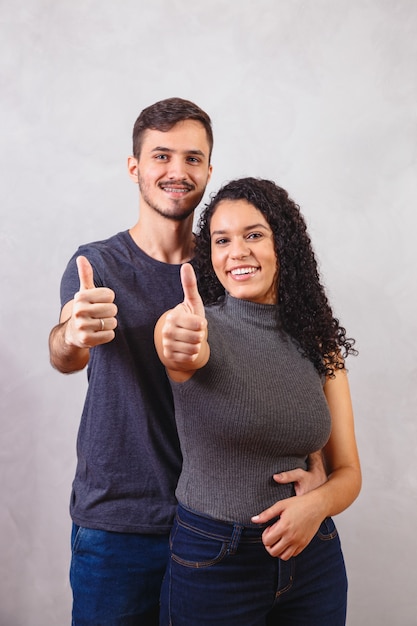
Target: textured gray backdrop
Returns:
[[319, 95]]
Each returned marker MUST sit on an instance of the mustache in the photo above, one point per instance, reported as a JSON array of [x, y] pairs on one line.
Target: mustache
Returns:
[[176, 183]]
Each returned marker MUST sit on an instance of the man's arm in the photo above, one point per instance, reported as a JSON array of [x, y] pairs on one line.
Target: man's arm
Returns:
[[86, 321], [305, 480]]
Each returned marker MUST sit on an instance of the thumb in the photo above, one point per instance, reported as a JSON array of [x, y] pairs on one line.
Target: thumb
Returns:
[[192, 298], [85, 273]]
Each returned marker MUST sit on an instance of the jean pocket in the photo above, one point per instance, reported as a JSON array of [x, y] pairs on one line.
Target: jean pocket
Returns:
[[327, 530], [76, 537], [196, 549], [87, 540]]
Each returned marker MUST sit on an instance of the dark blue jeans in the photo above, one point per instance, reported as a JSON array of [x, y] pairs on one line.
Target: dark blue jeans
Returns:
[[116, 577], [220, 574]]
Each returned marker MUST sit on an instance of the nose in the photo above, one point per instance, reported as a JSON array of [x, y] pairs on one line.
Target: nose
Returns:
[[176, 169], [239, 248]]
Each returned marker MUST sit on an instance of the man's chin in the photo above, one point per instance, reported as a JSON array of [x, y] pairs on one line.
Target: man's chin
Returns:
[[176, 214]]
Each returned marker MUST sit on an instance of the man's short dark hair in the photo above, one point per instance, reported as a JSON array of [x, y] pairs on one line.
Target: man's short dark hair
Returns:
[[163, 115]]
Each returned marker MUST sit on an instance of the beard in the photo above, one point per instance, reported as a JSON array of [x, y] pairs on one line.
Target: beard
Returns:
[[176, 210]]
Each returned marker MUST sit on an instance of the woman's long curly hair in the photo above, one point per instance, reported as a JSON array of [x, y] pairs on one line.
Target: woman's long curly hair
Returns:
[[303, 309]]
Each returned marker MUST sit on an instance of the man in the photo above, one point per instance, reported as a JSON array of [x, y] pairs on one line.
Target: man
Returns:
[[123, 501]]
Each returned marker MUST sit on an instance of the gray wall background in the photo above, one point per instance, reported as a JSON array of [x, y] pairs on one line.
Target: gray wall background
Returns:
[[319, 95]]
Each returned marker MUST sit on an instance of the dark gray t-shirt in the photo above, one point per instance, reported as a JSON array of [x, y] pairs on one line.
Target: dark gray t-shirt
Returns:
[[256, 408], [127, 448]]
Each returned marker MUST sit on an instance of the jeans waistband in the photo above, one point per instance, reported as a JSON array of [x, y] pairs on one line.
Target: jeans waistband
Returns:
[[224, 531]]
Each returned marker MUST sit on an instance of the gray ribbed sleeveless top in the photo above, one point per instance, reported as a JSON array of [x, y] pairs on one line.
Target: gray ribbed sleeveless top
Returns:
[[255, 409]]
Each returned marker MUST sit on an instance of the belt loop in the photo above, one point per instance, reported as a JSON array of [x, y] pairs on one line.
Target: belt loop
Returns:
[[234, 541]]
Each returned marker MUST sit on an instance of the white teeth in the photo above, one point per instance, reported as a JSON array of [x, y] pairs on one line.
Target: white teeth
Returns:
[[243, 270], [176, 190]]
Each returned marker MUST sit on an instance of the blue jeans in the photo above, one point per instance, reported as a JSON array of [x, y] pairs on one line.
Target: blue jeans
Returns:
[[116, 577], [221, 574]]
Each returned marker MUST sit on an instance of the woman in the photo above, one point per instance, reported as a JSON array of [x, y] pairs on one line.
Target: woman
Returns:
[[259, 382]]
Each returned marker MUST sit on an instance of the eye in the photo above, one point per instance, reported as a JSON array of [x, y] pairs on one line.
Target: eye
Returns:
[[161, 157], [254, 236], [193, 160], [220, 241]]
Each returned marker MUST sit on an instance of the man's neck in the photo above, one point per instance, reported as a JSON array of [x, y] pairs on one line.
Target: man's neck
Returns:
[[165, 240]]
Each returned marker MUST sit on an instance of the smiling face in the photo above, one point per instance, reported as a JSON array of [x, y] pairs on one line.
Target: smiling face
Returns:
[[173, 169], [243, 252]]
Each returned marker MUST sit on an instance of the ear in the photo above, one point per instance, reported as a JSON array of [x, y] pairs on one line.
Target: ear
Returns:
[[210, 172], [132, 168]]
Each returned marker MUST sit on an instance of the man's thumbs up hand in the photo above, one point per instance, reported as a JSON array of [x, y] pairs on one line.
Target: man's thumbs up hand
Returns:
[[93, 315]]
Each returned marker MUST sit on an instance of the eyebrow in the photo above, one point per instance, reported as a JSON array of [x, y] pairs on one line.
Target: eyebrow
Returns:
[[251, 227], [192, 151]]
